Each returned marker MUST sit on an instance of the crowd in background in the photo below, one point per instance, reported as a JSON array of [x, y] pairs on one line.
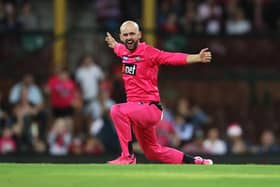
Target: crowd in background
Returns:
[[17, 17], [218, 16], [69, 112], [177, 18], [173, 16]]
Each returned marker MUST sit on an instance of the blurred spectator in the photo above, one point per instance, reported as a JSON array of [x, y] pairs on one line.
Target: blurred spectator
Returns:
[[27, 18], [102, 105], [196, 145], [173, 40], [192, 112], [211, 15], [100, 127], [237, 23], [100, 110], [76, 146], [118, 94], [64, 94], [34, 99], [168, 10], [25, 122], [236, 144], [108, 14], [213, 144], [29, 21], [183, 129], [34, 92], [258, 20], [59, 138], [182, 124], [93, 146], [189, 21], [268, 143], [166, 133], [207, 9], [89, 75], [107, 135], [10, 22], [189, 117], [183, 107], [23, 107], [170, 26], [162, 12], [7, 142], [198, 117], [96, 126], [106, 84]]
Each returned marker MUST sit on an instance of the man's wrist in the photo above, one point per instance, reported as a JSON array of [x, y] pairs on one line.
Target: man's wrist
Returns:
[[195, 58], [116, 44]]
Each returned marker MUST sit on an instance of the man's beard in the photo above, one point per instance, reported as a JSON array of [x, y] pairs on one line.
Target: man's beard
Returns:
[[131, 45]]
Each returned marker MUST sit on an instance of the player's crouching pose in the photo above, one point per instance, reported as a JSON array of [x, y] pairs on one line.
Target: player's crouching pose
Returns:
[[143, 110]]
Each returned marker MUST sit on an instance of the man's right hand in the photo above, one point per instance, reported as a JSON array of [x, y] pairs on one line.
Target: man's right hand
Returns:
[[110, 40]]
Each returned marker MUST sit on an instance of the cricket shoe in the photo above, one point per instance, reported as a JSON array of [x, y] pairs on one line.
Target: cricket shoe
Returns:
[[202, 161], [124, 160]]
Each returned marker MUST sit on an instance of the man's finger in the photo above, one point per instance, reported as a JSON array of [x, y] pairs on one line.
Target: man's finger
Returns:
[[109, 35], [203, 50]]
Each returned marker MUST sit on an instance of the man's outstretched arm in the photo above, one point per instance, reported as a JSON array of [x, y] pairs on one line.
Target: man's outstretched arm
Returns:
[[203, 56], [175, 58]]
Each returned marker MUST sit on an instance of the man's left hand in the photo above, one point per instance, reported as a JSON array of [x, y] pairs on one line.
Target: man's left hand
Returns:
[[205, 55]]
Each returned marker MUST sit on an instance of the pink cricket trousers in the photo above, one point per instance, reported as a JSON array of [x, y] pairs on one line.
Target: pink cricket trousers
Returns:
[[142, 118]]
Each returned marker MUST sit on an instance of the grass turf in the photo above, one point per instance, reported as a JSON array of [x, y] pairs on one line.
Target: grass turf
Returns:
[[144, 175]]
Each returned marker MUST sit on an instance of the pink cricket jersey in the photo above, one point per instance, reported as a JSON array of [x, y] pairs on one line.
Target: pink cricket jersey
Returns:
[[140, 70]]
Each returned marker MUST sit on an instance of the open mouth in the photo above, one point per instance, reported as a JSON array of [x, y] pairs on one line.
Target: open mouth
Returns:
[[130, 44]]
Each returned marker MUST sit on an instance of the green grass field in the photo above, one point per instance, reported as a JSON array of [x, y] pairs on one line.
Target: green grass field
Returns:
[[144, 175]]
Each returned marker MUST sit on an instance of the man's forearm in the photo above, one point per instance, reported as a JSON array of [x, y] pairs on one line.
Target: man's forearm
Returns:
[[193, 59]]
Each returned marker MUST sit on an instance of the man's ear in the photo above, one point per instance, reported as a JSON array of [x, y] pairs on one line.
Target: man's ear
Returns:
[[140, 35], [120, 35]]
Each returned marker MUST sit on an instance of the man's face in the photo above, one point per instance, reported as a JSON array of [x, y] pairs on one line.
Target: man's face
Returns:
[[130, 36], [28, 80], [88, 61]]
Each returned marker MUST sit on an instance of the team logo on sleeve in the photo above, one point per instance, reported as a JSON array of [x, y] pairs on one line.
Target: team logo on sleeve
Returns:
[[137, 58], [125, 58], [129, 69]]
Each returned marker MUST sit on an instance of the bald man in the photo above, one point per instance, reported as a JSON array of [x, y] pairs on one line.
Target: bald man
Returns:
[[142, 111]]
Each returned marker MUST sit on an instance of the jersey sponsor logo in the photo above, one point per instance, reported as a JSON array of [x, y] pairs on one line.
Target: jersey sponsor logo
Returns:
[[129, 69]]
